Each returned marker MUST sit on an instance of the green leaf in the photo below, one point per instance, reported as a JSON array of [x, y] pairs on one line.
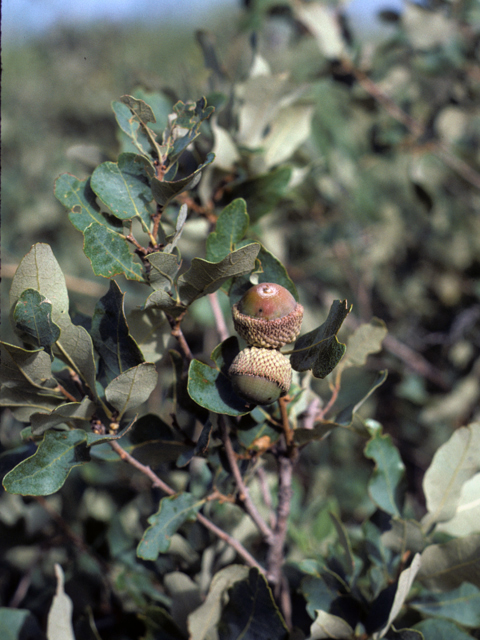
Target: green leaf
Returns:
[[386, 484], [59, 623], [461, 605], [164, 191], [127, 121], [144, 114], [39, 270], [179, 225], [404, 585], [365, 340], [231, 227], [205, 277], [32, 316], [20, 367], [172, 513], [70, 412], [441, 630], [163, 301], [211, 387], [23, 401], [109, 253], [446, 566], [453, 464], [45, 472], [164, 268], [132, 388], [124, 186], [202, 623], [320, 350], [117, 349], [75, 348], [326, 625], [262, 193], [77, 196], [251, 612]]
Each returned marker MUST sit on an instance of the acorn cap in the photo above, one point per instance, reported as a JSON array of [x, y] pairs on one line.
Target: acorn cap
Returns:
[[260, 376], [268, 316]]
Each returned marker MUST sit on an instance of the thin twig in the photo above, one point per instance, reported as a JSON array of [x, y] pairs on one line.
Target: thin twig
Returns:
[[158, 482], [178, 334], [244, 495], [276, 554], [220, 323], [416, 128], [267, 496], [283, 402]]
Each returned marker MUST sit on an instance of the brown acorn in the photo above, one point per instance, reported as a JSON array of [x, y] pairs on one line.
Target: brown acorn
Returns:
[[260, 376], [268, 316]]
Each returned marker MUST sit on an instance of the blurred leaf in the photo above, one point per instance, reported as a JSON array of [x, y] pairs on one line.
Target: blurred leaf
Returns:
[[172, 513], [211, 387], [151, 331], [263, 192], [46, 471], [453, 464], [164, 191], [467, 516], [205, 277], [18, 624], [327, 625], [354, 396], [289, 129], [78, 197], [189, 116], [461, 605], [164, 268], [441, 630], [32, 316], [365, 340], [446, 566], [317, 594], [109, 253], [320, 350], [323, 22], [231, 227], [404, 585], [132, 388], [69, 412], [386, 484], [251, 611], [117, 349], [59, 624], [202, 623], [404, 535], [124, 187]]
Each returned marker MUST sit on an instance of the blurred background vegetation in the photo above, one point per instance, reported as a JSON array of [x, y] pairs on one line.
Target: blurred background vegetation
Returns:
[[384, 210]]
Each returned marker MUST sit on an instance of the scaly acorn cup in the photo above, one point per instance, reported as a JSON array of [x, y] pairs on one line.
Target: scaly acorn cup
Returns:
[[268, 316], [260, 376]]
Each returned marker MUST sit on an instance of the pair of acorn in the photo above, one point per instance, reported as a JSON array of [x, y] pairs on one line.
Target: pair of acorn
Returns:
[[267, 317]]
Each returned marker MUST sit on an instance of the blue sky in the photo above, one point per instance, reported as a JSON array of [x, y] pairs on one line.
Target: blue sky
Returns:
[[24, 17], [36, 16]]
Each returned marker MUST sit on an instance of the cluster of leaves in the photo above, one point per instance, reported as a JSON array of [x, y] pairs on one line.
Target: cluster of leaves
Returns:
[[372, 193]]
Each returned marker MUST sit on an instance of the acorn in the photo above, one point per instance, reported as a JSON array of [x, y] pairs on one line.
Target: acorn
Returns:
[[260, 376], [268, 316]]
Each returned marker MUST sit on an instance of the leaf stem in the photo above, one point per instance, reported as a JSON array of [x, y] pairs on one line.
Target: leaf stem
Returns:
[[158, 482]]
